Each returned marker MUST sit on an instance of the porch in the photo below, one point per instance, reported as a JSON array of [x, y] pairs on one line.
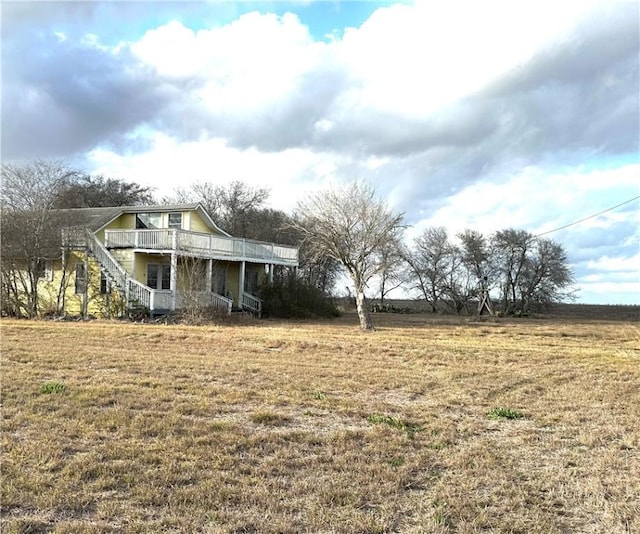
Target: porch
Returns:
[[202, 245]]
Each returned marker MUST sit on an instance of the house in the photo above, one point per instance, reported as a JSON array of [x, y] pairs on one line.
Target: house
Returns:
[[155, 259]]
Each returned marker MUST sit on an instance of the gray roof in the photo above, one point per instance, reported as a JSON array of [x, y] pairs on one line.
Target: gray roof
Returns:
[[91, 218]]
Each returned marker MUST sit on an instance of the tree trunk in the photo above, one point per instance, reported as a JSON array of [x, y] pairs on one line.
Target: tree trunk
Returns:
[[363, 311]]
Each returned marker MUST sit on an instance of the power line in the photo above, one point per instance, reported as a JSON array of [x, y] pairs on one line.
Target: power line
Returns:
[[587, 218]]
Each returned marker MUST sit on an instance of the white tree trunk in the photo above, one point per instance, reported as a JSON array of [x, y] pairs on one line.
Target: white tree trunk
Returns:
[[363, 311]]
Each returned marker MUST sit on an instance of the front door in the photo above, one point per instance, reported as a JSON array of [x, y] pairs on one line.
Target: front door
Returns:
[[159, 276]]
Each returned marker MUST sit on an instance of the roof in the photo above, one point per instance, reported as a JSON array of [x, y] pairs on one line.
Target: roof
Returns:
[[97, 218]]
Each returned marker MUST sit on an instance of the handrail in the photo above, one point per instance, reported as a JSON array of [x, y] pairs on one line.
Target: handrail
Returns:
[[186, 299], [201, 244], [251, 303], [106, 260], [135, 292]]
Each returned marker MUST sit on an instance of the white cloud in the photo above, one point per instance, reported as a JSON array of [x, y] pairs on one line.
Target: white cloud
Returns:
[[169, 164], [630, 266], [538, 201], [416, 59]]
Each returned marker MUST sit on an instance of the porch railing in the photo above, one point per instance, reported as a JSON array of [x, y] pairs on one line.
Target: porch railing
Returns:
[[202, 244], [252, 304], [203, 299]]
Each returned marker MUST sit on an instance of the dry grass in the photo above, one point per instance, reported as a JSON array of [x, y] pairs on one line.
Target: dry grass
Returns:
[[315, 427]]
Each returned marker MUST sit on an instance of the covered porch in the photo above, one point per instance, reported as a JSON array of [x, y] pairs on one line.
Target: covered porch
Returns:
[[165, 282]]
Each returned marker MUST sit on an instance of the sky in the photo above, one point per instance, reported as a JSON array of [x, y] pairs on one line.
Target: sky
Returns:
[[463, 114]]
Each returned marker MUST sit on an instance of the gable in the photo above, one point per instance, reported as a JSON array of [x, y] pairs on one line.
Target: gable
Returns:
[[191, 217]]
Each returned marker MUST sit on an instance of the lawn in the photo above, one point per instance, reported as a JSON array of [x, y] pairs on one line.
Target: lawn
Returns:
[[426, 425]]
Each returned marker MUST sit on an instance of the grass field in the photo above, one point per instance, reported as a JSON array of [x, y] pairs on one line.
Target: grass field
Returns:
[[427, 425]]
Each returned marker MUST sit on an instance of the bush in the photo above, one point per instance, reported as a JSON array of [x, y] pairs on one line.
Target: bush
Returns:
[[290, 297]]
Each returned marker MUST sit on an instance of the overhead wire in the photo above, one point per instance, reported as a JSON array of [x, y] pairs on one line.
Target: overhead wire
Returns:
[[587, 218]]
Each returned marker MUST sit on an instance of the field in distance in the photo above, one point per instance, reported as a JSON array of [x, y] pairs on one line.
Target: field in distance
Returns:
[[426, 425]]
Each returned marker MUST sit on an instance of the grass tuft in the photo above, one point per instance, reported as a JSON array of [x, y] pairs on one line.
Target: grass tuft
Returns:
[[394, 422], [505, 413], [52, 387]]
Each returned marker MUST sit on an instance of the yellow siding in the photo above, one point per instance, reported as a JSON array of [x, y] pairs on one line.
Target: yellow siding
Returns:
[[126, 221], [125, 257], [98, 305], [196, 223]]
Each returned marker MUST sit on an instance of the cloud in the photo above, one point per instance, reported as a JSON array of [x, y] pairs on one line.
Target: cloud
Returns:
[[85, 96], [468, 114]]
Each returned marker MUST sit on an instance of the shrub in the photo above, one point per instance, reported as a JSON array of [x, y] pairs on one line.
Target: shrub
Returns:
[[290, 297]]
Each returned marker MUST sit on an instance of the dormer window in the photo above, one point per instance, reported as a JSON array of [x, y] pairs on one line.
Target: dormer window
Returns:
[[148, 220], [175, 220]]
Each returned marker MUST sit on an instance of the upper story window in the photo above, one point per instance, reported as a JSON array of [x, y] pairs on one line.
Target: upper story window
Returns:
[[148, 220], [175, 220]]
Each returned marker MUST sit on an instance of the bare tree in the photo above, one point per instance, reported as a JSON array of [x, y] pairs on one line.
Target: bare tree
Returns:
[[431, 262], [532, 270], [509, 250], [30, 230], [393, 273], [352, 226], [475, 253], [234, 207]]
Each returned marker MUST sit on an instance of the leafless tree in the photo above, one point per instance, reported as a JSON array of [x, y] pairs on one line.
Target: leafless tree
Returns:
[[30, 230], [351, 225], [431, 262], [393, 272], [532, 270], [234, 207]]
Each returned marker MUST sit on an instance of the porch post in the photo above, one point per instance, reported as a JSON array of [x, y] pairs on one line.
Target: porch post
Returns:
[[271, 266], [85, 290], [209, 274], [241, 284], [173, 280]]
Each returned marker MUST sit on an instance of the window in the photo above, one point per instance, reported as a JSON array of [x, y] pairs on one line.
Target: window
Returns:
[[159, 276], [45, 270], [148, 220], [81, 279], [104, 285], [175, 220]]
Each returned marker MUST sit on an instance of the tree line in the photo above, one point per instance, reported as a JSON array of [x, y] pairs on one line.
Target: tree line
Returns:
[[347, 229]]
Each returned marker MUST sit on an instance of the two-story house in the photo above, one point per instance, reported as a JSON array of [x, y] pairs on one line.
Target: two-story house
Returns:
[[158, 259]]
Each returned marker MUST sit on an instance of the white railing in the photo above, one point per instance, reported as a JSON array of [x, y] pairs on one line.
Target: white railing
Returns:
[[139, 294], [205, 299], [107, 261], [202, 244], [252, 304]]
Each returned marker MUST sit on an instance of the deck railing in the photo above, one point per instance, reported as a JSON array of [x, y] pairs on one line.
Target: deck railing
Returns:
[[202, 244]]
